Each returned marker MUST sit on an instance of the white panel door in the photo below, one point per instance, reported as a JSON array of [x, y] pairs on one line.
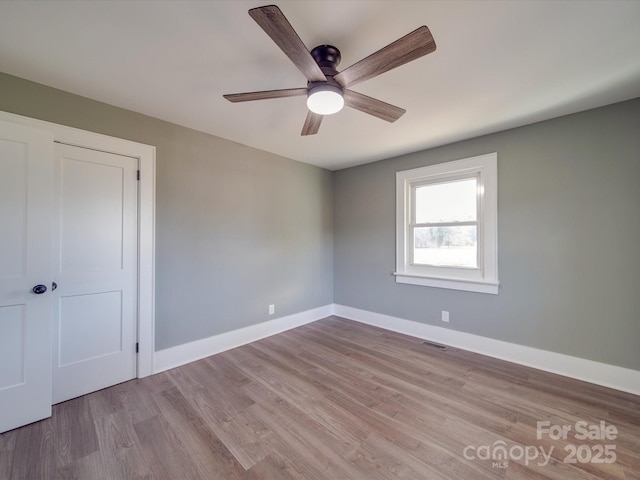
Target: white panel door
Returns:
[[26, 160], [95, 269]]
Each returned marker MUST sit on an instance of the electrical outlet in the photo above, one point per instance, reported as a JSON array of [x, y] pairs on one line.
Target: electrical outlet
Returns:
[[272, 309], [445, 316]]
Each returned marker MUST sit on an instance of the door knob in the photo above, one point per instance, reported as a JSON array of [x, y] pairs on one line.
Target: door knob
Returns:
[[39, 289]]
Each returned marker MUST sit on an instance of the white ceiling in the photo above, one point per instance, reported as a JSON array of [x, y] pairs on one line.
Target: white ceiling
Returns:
[[498, 64]]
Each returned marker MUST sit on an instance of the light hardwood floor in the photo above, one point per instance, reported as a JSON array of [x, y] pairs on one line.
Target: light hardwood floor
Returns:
[[333, 400]]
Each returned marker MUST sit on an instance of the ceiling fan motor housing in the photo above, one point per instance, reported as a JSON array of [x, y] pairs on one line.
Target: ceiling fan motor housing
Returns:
[[328, 58]]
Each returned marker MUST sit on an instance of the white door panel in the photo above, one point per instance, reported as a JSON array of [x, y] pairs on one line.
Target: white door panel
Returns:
[[25, 260], [101, 332], [13, 208], [95, 267], [12, 326], [94, 224]]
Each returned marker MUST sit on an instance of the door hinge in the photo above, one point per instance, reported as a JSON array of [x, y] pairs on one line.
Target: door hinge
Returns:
[[138, 175], [137, 347]]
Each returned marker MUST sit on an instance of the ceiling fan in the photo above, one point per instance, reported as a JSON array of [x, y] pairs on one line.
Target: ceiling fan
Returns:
[[327, 89]]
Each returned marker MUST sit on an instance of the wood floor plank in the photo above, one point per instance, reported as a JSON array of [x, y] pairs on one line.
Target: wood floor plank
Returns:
[[121, 455], [631, 475], [379, 395], [201, 383], [392, 462], [424, 394], [75, 431], [427, 449], [331, 400], [89, 466], [246, 437], [33, 454], [310, 391], [136, 398], [276, 467], [205, 450], [163, 450]]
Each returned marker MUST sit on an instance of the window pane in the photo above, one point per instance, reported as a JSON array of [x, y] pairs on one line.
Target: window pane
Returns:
[[446, 246], [447, 202]]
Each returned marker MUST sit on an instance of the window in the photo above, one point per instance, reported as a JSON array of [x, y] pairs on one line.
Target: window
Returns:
[[447, 225]]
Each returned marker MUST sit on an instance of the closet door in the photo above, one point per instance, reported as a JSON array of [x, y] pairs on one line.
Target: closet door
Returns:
[[26, 179], [95, 268]]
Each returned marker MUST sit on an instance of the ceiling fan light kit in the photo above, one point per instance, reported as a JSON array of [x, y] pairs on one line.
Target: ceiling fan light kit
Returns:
[[325, 99], [327, 90]]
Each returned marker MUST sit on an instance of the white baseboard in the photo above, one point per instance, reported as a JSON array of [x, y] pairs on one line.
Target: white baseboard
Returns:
[[192, 351], [619, 378]]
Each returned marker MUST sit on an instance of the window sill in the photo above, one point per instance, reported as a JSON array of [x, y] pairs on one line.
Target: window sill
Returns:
[[450, 283]]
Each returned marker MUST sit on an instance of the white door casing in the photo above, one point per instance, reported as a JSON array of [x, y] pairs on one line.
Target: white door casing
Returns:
[[26, 159], [95, 269], [146, 218]]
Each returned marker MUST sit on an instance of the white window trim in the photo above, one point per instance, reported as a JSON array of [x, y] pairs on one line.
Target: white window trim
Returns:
[[481, 280]]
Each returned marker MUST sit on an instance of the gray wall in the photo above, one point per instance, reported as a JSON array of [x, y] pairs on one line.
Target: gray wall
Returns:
[[569, 238], [237, 228]]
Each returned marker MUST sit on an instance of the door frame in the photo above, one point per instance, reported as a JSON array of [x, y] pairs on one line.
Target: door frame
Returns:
[[146, 155]]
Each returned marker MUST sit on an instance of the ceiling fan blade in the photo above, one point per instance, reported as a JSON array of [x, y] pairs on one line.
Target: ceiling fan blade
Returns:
[[374, 107], [416, 44], [275, 24], [311, 124], [265, 95]]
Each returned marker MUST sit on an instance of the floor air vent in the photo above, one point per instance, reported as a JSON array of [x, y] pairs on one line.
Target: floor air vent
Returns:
[[435, 345]]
